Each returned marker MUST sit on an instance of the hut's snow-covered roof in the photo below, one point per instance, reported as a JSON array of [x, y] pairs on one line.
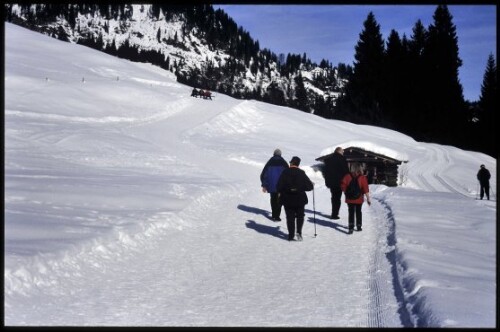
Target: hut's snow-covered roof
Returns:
[[369, 147]]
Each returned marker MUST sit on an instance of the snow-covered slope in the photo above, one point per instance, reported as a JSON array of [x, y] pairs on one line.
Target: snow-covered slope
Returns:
[[182, 48], [130, 203]]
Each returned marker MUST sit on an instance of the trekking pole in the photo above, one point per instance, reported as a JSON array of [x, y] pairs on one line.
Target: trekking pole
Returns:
[[477, 191], [314, 214]]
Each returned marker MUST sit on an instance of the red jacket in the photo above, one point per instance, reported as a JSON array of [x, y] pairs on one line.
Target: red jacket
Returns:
[[363, 184]]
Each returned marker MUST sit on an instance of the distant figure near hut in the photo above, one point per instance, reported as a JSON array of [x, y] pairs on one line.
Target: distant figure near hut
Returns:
[[484, 181]]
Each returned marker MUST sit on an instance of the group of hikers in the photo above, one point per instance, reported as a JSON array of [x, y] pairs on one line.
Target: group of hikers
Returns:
[[205, 94], [287, 186]]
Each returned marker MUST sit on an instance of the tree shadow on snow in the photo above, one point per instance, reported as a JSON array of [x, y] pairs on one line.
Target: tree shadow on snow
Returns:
[[264, 229], [255, 210]]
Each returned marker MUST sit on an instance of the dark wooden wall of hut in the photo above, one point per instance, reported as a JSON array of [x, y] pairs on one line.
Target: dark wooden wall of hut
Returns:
[[378, 168], [381, 173]]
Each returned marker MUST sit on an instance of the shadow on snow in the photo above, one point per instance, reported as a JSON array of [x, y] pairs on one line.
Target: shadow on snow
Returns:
[[275, 230], [327, 223], [264, 229], [255, 210], [260, 228]]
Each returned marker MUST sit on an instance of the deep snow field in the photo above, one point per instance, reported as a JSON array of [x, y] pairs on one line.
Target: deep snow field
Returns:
[[130, 203]]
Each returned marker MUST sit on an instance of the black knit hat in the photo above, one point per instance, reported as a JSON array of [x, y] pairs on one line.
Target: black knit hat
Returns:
[[295, 161]]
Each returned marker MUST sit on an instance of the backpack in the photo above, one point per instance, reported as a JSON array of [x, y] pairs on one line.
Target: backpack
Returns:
[[353, 191], [293, 184]]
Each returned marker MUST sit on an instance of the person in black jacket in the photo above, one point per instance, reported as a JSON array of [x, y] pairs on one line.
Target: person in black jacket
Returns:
[[335, 169], [194, 93], [484, 181], [292, 185], [269, 178]]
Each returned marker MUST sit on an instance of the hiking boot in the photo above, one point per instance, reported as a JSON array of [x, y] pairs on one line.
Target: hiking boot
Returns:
[[351, 230], [299, 237], [334, 217], [359, 229]]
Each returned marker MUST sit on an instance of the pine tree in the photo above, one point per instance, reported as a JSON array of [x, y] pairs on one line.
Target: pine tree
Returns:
[[488, 107], [446, 107], [72, 17], [301, 101], [154, 11], [488, 98], [394, 76], [364, 91], [321, 107], [415, 121]]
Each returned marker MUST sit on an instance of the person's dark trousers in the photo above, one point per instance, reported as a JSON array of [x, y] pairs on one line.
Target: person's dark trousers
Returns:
[[485, 189], [275, 205], [355, 211], [292, 214], [336, 200]]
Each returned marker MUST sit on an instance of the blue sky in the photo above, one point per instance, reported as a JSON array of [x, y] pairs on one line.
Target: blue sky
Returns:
[[332, 31]]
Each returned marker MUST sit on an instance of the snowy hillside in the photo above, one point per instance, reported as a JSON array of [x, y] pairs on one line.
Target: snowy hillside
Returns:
[[181, 44], [130, 203]]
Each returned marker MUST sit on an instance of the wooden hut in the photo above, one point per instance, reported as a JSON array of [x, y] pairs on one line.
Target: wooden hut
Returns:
[[379, 169]]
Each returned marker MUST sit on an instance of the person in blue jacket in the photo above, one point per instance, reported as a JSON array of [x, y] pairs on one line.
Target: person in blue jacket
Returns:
[[269, 178]]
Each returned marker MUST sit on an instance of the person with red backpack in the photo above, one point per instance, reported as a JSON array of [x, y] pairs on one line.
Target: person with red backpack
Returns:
[[355, 186]]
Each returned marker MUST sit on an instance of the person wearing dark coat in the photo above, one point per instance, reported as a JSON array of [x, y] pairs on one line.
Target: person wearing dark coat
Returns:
[[269, 178], [335, 169], [484, 181], [292, 186], [194, 93]]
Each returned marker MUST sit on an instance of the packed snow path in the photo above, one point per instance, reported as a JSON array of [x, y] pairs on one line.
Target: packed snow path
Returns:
[[239, 271]]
